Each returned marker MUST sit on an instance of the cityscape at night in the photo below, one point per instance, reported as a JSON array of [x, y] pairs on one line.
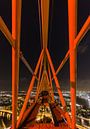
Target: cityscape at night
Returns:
[[82, 106]]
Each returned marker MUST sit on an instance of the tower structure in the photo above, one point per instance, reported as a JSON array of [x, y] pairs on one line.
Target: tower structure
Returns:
[[45, 68]]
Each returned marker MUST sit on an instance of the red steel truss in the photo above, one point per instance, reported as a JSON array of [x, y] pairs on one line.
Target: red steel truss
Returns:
[[45, 58]]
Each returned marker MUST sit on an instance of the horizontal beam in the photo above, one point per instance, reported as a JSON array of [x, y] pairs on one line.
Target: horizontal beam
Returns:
[[72, 32], [16, 32], [50, 83]]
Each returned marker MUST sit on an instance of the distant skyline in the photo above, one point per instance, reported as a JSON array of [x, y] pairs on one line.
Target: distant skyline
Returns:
[[58, 43]]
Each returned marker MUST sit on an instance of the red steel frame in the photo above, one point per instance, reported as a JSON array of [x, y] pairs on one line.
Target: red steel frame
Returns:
[[44, 8], [58, 88], [72, 17], [74, 40], [14, 88], [16, 24]]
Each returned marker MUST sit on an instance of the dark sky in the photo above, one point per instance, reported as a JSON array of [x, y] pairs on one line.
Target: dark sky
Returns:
[[57, 43]]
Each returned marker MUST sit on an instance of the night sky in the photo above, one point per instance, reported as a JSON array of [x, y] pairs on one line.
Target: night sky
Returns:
[[58, 43]]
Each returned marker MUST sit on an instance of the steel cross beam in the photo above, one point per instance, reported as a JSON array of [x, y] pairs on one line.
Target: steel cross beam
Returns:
[[6, 32], [16, 27], [29, 90], [58, 88]]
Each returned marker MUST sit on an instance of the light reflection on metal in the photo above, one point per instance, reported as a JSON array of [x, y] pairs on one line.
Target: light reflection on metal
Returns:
[[16, 31], [72, 20]]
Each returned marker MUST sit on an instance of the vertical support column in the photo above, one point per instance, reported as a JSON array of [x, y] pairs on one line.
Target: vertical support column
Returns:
[[14, 88], [44, 14], [16, 23], [72, 16]]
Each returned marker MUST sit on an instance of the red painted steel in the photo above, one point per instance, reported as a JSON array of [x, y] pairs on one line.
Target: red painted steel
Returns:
[[30, 115], [14, 88], [29, 91], [16, 25], [39, 77], [50, 83], [44, 13], [74, 40], [6, 32], [72, 17], [58, 87]]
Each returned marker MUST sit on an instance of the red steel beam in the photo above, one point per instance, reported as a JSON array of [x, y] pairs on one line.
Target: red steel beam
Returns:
[[82, 32], [72, 17], [41, 66], [40, 71], [44, 14], [16, 23], [14, 88], [29, 91], [50, 83], [58, 88], [4, 29], [37, 91], [56, 80]]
